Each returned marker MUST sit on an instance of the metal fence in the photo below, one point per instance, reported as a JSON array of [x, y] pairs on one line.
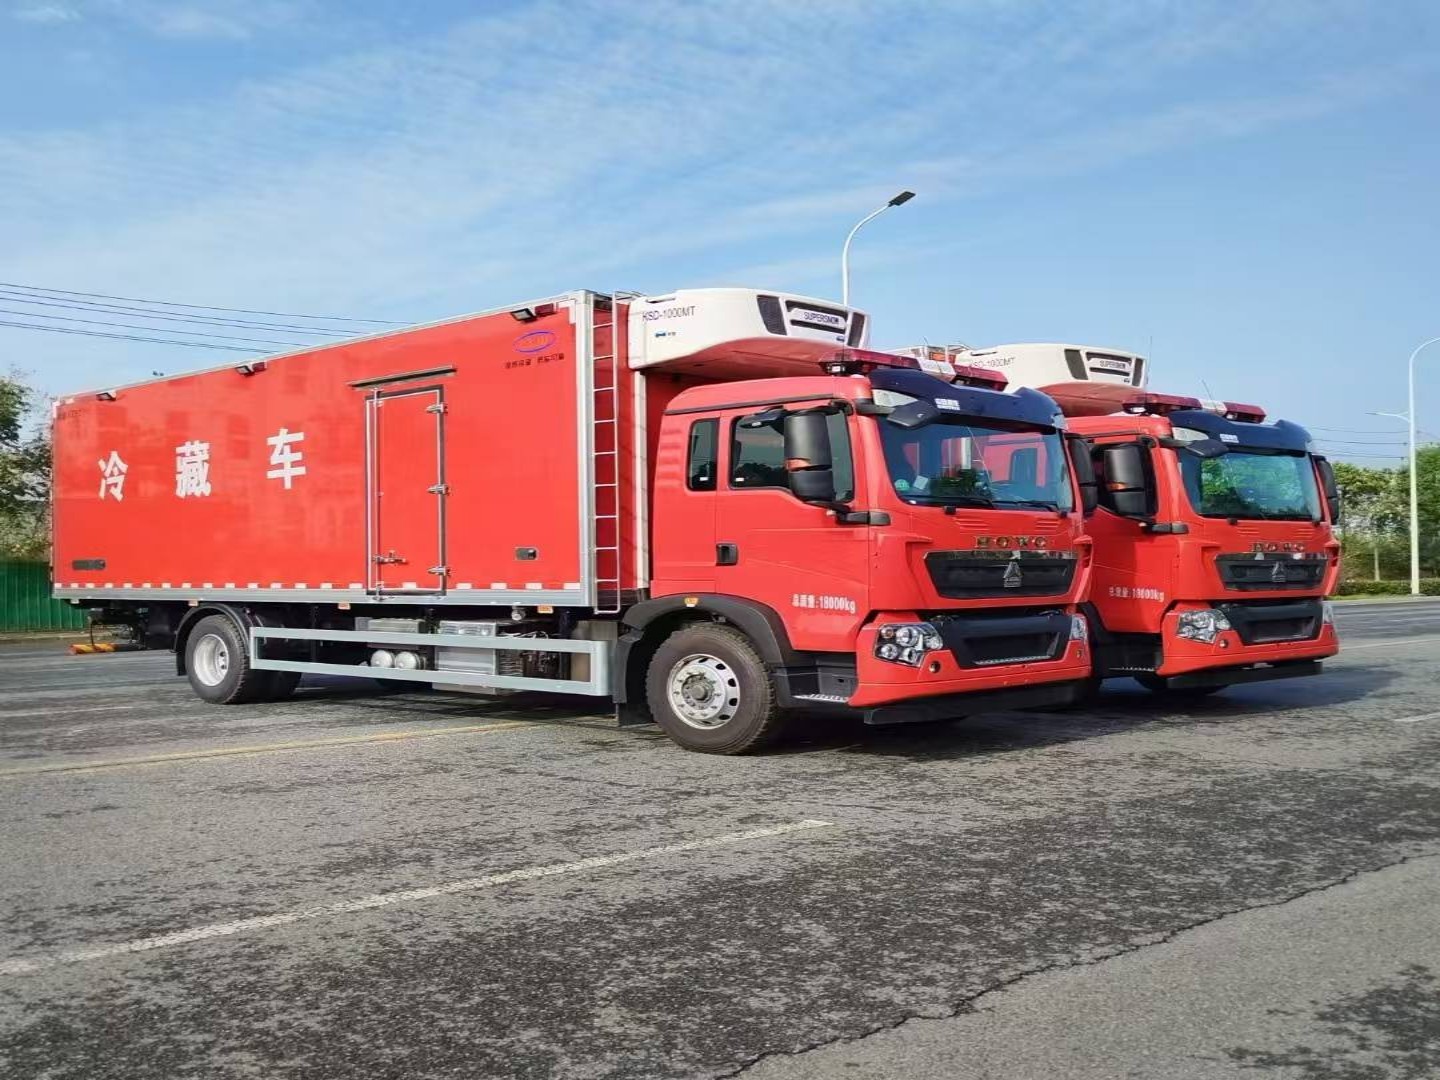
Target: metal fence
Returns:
[[26, 604]]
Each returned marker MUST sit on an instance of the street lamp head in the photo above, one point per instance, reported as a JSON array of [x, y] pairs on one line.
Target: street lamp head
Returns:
[[901, 199]]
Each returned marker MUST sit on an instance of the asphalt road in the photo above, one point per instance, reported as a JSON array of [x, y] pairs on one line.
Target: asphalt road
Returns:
[[354, 885]]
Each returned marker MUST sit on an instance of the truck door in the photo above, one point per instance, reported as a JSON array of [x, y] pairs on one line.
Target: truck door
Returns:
[[405, 471], [794, 557]]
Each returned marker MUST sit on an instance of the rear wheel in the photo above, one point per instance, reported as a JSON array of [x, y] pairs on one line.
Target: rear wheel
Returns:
[[282, 684], [709, 691], [218, 663]]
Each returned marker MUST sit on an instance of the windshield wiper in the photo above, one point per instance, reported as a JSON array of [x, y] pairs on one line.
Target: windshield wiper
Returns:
[[1042, 504], [951, 501]]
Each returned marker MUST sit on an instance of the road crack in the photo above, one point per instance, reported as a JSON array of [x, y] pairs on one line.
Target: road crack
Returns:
[[967, 1005]]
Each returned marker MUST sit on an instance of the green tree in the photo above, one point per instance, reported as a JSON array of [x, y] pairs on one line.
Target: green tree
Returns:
[[1428, 496], [25, 464], [1373, 531]]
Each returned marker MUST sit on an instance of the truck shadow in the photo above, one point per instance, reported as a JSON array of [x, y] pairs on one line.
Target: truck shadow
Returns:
[[1122, 707]]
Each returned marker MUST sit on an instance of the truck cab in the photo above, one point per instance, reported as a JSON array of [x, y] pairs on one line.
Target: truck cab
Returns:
[[1214, 531], [1214, 545], [914, 530]]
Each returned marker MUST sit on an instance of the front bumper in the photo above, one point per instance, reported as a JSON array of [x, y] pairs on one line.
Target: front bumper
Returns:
[[941, 675], [1182, 656]]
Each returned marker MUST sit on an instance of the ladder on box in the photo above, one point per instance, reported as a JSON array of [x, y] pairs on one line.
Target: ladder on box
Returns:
[[605, 448]]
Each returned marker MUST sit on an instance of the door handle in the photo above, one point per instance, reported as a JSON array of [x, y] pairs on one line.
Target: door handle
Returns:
[[727, 554]]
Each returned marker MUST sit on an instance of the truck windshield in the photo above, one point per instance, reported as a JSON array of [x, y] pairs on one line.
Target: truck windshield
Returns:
[[1242, 484], [960, 462]]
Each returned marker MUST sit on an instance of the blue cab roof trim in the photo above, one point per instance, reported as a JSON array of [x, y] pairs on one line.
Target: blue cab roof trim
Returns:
[[1023, 406], [1281, 435]]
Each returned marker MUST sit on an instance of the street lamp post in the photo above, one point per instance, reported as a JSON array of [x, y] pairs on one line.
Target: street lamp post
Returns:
[[1415, 479], [898, 200]]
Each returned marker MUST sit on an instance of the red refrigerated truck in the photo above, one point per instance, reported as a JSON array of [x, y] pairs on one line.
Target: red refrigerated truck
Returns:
[[712, 508], [1214, 535]]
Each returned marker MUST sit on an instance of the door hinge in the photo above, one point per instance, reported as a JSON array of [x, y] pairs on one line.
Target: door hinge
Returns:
[[438, 407], [439, 489], [439, 571]]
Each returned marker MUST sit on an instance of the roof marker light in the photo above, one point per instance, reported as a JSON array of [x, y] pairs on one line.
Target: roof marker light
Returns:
[[1245, 414], [1159, 404], [980, 378], [861, 361]]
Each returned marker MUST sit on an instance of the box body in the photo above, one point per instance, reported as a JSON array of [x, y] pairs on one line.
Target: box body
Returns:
[[456, 462]]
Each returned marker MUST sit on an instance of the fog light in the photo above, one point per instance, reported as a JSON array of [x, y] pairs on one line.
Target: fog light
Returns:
[[382, 658], [1079, 628]]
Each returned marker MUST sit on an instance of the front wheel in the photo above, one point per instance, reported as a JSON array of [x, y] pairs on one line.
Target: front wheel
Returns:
[[709, 691]]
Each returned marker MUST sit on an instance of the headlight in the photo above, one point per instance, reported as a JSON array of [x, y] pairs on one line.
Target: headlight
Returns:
[[1327, 613], [1203, 626], [907, 643], [1079, 628]]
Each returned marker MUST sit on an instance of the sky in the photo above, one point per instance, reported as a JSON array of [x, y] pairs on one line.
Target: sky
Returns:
[[1244, 191]]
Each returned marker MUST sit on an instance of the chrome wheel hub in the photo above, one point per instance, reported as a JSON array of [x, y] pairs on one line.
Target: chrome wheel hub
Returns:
[[211, 660], [703, 691]]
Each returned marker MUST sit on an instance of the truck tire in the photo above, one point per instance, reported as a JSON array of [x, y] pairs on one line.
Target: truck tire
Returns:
[[282, 684], [709, 691], [217, 663]]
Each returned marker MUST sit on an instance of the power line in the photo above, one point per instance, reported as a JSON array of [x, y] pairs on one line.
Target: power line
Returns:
[[152, 329], [1363, 442], [121, 309], [124, 337], [197, 307]]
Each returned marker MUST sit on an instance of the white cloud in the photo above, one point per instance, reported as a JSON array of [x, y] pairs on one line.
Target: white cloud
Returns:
[[189, 22], [46, 13]]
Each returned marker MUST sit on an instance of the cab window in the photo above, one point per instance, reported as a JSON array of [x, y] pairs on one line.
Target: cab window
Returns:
[[757, 454], [702, 460]]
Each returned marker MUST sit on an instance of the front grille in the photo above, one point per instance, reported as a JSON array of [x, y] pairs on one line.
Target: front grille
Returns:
[[1262, 623], [1270, 570], [968, 575], [988, 640]]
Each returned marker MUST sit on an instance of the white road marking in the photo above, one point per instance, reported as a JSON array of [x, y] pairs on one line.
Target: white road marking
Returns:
[[7, 714], [28, 966], [1416, 719], [1382, 644]]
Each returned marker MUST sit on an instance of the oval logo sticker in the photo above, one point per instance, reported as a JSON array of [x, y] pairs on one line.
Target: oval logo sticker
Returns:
[[535, 341]]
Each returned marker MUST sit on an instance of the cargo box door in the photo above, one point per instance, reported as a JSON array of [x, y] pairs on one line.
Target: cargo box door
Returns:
[[406, 476]]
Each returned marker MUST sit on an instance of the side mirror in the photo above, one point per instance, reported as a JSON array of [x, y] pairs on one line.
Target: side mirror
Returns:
[[1127, 481], [913, 414], [1084, 467], [807, 456], [1334, 497]]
